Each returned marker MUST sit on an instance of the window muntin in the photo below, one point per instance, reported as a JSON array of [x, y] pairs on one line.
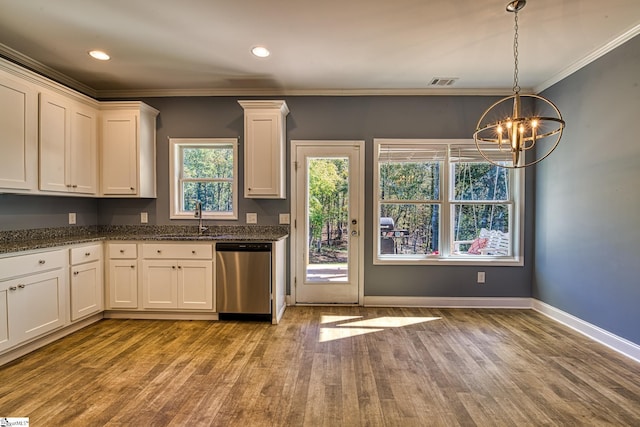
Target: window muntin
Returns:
[[205, 170], [415, 225]]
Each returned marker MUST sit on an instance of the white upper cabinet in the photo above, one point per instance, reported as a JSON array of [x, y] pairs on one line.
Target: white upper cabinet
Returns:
[[68, 145], [264, 149], [18, 134], [128, 149]]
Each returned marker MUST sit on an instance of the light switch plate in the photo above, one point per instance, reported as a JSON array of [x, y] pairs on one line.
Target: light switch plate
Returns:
[[481, 277], [284, 218], [252, 218], [144, 217], [72, 217]]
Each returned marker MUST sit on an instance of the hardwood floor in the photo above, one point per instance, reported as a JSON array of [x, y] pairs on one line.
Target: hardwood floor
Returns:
[[327, 366]]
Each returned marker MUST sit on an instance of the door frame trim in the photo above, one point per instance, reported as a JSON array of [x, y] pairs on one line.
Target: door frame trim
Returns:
[[360, 144]]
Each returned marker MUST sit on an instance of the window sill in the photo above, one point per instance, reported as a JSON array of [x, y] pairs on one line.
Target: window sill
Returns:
[[449, 261]]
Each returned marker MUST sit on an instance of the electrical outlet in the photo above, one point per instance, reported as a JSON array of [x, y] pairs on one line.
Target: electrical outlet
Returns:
[[284, 218], [252, 218], [72, 217], [144, 217], [480, 276]]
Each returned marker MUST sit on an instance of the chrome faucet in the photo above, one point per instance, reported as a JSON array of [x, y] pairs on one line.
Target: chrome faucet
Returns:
[[198, 214]]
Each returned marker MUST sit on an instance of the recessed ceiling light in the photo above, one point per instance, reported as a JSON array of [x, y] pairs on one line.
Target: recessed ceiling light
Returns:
[[98, 54], [260, 51]]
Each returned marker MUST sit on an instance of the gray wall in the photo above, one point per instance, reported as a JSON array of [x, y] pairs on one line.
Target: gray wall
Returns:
[[587, 230], [24, 212], [360, 118]]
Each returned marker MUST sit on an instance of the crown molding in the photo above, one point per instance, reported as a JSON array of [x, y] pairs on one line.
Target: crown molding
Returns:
[[596, 54], [44, 70]]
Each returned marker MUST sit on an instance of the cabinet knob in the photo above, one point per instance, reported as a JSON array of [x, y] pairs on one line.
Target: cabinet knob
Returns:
[[21, 286], [133, 266], [87, 254], [193, 252], [131, 188], [173, 266], [121, 251], [41, 262], [75, 273], [68, 185], [12, 288], [74, 186], [179, 267], [159, 251]]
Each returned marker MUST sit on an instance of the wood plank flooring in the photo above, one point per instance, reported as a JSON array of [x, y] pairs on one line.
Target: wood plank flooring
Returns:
[[327, 366]]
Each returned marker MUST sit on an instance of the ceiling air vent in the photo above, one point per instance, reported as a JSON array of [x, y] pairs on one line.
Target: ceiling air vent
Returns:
[[442, 81]]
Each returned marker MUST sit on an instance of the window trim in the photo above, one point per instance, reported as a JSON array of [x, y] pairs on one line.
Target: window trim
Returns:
[[175, 170], [517, 177]]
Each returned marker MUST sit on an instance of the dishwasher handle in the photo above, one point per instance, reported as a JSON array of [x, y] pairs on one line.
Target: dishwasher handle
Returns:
[[243, 247]]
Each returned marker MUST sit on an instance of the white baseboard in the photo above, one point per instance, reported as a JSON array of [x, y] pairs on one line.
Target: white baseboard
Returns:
[[600, 335], [447, 302]]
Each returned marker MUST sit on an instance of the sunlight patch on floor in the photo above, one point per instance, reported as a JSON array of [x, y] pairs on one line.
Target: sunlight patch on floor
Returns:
[[364, 326], [330, 318], [330, 334]]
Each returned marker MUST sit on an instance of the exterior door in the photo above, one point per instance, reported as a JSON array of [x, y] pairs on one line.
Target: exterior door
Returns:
[[328, 212]]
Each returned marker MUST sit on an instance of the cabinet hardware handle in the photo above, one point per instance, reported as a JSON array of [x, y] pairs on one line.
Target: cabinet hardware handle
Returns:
[[121, 251], [74, 186], [41, 262], [68, 185], [159, 251], [133, 266], [87, 253], [75, 273], [179, 267], [173, 266], [12, 288], [193, 252], [131, 188], [21, 286]]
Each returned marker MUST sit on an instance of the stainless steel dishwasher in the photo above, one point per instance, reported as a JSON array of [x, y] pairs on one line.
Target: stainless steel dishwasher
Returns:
[[243, 279]]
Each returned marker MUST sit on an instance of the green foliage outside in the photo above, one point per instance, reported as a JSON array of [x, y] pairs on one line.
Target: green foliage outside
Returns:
[[207, 176]]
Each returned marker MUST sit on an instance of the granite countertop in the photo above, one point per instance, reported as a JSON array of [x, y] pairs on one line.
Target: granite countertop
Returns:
[[41, 238]]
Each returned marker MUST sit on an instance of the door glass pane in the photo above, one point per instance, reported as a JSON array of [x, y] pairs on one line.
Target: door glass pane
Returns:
[[327, 211]]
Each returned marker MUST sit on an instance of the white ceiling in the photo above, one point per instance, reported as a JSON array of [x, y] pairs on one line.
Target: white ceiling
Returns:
[[318, 47]]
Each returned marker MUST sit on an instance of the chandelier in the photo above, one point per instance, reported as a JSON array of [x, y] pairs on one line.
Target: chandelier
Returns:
[[518, 123]]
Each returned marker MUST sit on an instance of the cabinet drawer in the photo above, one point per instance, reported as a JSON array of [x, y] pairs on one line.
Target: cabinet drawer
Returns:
[[86, 254], [177, 251], [30, 264], [123, 251]]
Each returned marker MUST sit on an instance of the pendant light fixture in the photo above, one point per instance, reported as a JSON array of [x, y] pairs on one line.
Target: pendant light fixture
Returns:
[[518, 123]]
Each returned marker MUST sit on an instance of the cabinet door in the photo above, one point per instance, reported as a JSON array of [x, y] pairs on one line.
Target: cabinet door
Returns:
[[159, 284], [263, 153], [18, 135], [195, 285], [55, 137], [36, 305], [123, 284], [119, 153], [4, 324], [86, 290], [83, 150]]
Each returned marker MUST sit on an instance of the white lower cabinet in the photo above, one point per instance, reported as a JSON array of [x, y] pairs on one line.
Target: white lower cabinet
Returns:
[[177, 276], [86, 281], [33, 301], [180, 284], [123, 283], [122, 275]]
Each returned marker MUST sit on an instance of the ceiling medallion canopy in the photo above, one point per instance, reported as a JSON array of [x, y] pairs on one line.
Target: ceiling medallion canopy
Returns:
[[518, 123]]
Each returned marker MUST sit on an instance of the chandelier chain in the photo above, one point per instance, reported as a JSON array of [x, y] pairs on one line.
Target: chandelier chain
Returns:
[[516, 86]]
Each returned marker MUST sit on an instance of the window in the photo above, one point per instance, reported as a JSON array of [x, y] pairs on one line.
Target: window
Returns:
[[439, 201], [203, 170]]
